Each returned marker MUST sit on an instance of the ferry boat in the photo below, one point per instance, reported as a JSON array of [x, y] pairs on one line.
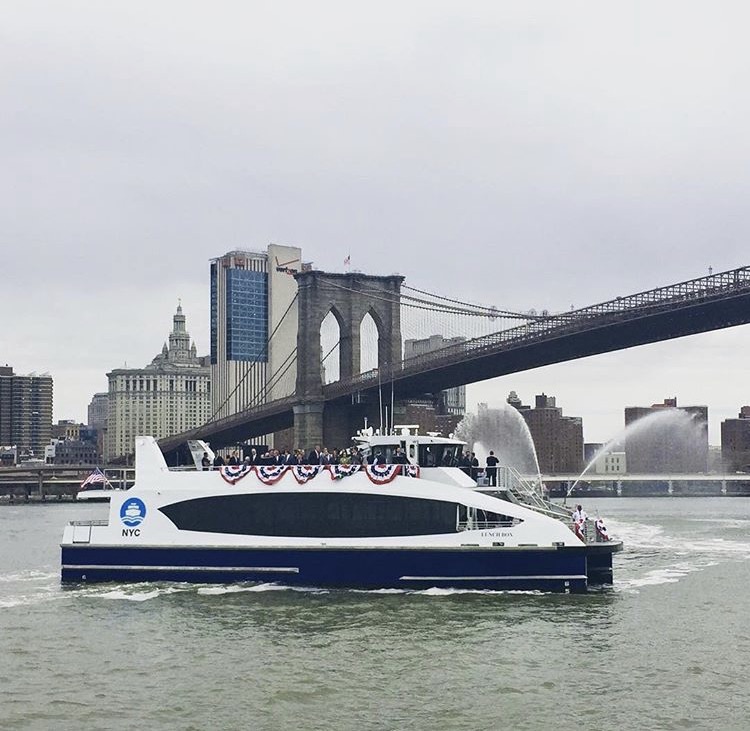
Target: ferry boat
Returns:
[[415, 525]]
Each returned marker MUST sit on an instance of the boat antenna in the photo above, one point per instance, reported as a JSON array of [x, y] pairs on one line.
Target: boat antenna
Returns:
[[380, 398], [393, 411]]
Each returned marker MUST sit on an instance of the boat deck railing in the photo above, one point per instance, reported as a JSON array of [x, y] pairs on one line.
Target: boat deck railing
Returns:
[[590, 532], [89, 522], [463, 525], [528, 493]]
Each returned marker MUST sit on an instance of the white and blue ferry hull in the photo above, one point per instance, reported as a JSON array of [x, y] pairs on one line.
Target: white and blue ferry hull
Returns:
[[523, 568]]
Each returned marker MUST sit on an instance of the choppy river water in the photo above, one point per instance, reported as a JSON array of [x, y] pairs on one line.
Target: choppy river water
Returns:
[[668, 647]]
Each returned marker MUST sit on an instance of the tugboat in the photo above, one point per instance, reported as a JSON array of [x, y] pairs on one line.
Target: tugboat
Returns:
[[415, 524]]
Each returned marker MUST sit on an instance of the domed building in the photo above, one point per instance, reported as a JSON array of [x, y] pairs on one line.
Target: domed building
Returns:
[[170, 395]]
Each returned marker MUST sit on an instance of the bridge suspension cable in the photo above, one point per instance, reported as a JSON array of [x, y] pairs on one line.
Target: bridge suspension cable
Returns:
[[456, 306], [468, 308], [257, 359]]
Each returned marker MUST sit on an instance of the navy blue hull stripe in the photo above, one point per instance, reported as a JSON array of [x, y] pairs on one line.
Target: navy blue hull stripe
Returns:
[[461, 567]]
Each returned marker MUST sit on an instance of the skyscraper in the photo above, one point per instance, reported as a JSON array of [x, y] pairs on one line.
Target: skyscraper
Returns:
[[170, 395], [25, 411], [253, 327]]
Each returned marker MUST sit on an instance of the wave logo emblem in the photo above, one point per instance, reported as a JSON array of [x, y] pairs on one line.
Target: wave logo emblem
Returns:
[[133, 511]]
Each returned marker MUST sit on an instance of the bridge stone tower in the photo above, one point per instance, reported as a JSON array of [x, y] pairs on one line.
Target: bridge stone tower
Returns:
[[349, 297]]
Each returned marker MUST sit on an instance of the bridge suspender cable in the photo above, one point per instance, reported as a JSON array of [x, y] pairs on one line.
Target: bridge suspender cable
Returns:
[[264, 351]]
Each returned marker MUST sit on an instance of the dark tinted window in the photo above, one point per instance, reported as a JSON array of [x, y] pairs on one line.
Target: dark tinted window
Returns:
[[314, 515]]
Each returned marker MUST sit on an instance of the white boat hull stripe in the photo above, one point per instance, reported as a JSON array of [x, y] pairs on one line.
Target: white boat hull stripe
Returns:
[[234, 569], [491, 578]]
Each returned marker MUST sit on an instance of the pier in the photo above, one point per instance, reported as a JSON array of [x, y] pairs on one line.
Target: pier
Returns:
[[47, 483], [672, 485]]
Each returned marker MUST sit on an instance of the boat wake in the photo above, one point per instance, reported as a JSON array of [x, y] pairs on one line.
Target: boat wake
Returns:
[[653, 556], [30, 575], [640, 537]]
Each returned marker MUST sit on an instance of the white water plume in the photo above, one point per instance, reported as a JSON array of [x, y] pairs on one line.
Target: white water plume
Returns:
[[669, 439], [504, 431]]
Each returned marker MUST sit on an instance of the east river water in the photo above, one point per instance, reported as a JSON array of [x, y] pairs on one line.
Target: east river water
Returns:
[[668, 647]]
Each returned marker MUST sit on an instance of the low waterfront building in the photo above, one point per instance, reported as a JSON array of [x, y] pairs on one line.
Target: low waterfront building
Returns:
[[611, 463], [558, 439], [66, 429], [170, 395], [735, 442], [71, 452]]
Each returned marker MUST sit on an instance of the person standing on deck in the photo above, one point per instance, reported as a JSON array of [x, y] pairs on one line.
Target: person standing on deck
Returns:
[[492, 462], [579, 522], [474, 466], [314, 456]]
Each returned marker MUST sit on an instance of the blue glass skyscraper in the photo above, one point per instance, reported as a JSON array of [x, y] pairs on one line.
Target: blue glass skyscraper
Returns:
[[250, 292]]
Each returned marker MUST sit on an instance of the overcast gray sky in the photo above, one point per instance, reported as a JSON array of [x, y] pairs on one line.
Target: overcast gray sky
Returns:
[[522, 154]]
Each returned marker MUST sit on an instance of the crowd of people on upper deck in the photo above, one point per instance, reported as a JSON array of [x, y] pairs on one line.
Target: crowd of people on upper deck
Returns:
[[353, 455], [466, 461]]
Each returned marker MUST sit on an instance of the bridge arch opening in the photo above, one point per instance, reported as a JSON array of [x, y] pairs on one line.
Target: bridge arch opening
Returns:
[[330, 346], [369, 342]]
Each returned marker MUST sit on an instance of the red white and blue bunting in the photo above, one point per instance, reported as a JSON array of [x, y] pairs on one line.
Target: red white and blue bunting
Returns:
[[233, 474], [270, 474], [342, 470], [382, 474], [304, 472]]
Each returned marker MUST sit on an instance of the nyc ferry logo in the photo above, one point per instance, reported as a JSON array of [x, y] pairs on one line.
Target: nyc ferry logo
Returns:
[[132, 513]]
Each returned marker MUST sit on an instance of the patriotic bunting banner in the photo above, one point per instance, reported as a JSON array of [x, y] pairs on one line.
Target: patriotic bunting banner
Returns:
[[381, 474], [269, 474], [342, 470], [234, 473], [304, 472]]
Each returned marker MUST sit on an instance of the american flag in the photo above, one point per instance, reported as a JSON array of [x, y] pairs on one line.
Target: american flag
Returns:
[[96, 476]]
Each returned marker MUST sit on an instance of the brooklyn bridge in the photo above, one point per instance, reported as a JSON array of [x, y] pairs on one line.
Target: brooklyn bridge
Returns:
[[330, 412]]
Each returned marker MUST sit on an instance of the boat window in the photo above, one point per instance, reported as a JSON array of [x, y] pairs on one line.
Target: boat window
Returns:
[[428, 458], [471, 518], [314, 515], [438, 455]]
